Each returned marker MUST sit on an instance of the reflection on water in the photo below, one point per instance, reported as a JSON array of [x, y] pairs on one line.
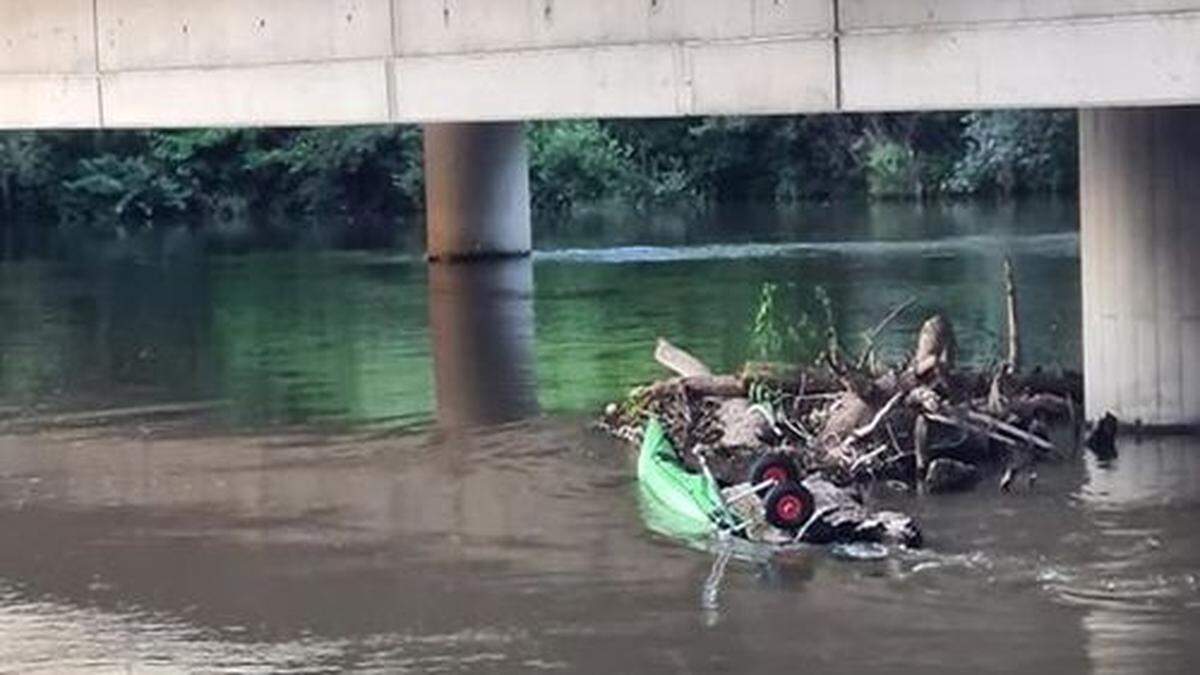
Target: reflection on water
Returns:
[[520, 547], [397, 477], [308, 338], [1149, 572], [481, 325]]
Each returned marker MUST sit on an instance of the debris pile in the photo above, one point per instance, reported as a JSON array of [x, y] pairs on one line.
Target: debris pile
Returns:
[[925, 424]]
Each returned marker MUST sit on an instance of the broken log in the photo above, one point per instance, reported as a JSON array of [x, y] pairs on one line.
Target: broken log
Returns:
[[845, 415], [679, 361], [921, 444], [936, 348], [790, 377], [1014, 431], [1014, 334], [719, 386], [870, 337], [1102, 438], [869, 428]]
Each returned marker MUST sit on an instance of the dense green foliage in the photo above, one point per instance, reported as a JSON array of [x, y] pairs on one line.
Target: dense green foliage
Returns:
[[785, 331], [116, 183]]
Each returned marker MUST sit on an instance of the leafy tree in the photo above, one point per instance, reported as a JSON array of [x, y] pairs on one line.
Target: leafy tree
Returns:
[[780, 333], [130, 192], [116, 182], [1016, 151], [579, 161], [357, 169]]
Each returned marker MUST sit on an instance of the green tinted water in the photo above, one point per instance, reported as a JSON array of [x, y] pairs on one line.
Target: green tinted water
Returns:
[[311, 338], [419, 547]]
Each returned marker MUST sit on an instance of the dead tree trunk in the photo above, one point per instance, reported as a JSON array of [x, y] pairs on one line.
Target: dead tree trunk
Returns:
[[1014, 334]]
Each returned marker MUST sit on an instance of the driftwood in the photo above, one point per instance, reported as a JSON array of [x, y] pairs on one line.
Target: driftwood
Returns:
[[680, 361], [1014, 334], [741, 427], [870, 427], [1019, 434], [699, 385], [842, 419], [921, 443], [1101, 439], [870, 337], [791, 378], [936, 348], [845, 415]]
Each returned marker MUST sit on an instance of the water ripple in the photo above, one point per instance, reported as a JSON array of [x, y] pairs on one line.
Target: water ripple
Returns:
[[1060, 244]]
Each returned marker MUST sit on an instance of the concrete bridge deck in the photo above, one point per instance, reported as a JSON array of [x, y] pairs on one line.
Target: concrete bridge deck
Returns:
[[169, 63], [458, 65]]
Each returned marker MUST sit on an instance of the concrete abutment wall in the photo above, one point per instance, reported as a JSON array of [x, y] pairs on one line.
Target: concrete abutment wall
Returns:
[[1140, 250]]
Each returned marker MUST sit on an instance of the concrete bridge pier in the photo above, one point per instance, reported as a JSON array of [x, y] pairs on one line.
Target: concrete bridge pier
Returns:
[[1140, 249], [476, 191]]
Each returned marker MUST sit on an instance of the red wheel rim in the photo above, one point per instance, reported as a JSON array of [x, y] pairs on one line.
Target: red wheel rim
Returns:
[[789, 508], [776, 473]]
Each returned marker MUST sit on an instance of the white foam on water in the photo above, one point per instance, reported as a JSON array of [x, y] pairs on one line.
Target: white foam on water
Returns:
[[1058, 244]]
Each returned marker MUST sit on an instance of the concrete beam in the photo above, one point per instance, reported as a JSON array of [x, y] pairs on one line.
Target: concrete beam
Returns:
[[1140, 60], [140, 35], [637, 80], [267, 62], [49, 102], [1140, 237], [323, 93], [641, 80], [883, 14], [475, 26], [53, 36]]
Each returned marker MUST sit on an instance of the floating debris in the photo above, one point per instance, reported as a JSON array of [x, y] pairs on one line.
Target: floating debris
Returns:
[[923, 425]]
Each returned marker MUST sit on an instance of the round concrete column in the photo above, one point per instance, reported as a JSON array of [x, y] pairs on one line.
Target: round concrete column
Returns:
[[1140, 249], [476, 191]]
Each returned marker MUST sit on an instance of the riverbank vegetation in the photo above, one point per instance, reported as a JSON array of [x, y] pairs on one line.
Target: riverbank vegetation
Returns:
[[363, 179]]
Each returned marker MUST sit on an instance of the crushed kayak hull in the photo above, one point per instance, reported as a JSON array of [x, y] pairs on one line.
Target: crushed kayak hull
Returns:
[[684, 502]]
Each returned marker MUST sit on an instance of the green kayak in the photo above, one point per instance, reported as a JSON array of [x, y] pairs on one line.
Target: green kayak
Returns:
[[689, 501], [679, 502]]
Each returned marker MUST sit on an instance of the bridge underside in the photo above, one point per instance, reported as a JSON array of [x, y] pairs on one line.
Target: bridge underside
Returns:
[[132, 63], [471, 69]]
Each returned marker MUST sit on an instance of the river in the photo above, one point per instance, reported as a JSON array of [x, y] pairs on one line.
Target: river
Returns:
[[323, 461]]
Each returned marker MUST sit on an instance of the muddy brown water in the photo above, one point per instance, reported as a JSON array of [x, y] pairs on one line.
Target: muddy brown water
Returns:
[[522, 548], [384, 481]]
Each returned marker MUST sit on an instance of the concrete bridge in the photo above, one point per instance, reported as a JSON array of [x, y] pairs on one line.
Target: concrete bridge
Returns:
[[470, 69]]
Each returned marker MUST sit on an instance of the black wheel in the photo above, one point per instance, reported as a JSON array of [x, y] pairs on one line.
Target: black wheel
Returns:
[[789, 506], [777, 466]]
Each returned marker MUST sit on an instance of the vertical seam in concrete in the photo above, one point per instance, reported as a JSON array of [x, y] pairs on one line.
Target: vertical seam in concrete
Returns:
[[685, 68], [837, 55], [98, 71], [389, 65], [389, 88], [393, 28]]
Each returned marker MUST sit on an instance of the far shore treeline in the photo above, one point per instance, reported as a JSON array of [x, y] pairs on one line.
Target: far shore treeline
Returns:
[[113, 184]]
